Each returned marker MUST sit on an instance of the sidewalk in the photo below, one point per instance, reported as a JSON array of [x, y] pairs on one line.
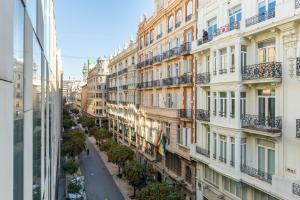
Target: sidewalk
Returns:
[[122, 184]]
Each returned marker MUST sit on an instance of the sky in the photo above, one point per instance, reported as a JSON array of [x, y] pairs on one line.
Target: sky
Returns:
[[93, 28]]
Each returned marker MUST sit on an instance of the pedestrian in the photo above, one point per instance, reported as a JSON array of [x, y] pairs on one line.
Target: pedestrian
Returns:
[[87, 152], [204, 35]]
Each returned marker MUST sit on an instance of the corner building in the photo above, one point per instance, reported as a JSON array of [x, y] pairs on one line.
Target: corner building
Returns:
[[30, 100], [166, 89], [247, 80]]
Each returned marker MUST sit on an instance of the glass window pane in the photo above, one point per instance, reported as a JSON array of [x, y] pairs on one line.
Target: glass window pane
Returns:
[[271, 161], [261, 159]]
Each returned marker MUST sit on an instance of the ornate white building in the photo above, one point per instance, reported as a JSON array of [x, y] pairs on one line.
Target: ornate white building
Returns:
[[247, 102]]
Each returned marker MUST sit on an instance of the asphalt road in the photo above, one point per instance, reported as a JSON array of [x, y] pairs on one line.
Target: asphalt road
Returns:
[[99, 184]]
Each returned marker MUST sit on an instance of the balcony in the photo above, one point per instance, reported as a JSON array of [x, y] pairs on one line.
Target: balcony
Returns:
[[170, 30], [228, 28], [112, 75], [260, 18], [140, 65], [157, 59], [203, 151], [203, 115], [177, 24], [159, 36], [271, 125], [123, 71], [170, 81], [298, 128], [222, 71], [124, 87], [185, 113], [261, 175], [298, 63], [222, 159], [296, 189], [186, 48], [204, 40], [148, 62], [113, 88], [186, 79], [203, 78], [262, 71], [188, 18], [174, 52]]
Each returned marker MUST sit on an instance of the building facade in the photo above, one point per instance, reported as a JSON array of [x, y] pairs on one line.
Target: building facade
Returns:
[[247, 80], [166, 89], [30, 100], [96, 86], [122, 106]]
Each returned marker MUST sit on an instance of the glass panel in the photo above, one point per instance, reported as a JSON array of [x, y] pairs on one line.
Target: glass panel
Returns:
[[18, 67], [232, 187], [262, 55], [271, 107], [271, 54], [37, 121], [261, 110], [271, 161], [261, 160]]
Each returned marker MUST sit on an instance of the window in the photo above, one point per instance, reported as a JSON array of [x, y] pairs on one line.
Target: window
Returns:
[[243, 151], [212, 27], [235, 16], [223, 104], [266, 158], [211, 175], [232, 104], [178, 18], [232, 159], [223, 149], [266, 107], [243, 103], [215, 63], [188, 174], [208, 101], [215, 146], [168, 132], [232, 186], [170, 24], [266, 9], [215, 104], [266, 51], [232, 59], [223, 61], [189, 10], [184, 137]]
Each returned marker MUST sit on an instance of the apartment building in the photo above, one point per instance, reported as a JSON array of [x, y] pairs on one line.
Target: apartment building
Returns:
[[166, 89], [247, 89], [122, 110], [96, 90], [84, 95], [30, 100]]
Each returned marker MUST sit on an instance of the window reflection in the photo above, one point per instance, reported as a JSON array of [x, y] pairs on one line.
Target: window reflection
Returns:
[[18, 99]]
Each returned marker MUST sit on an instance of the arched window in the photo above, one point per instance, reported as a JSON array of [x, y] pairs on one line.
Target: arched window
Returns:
[[178, 17], [188, 174], [189, 10], [170, 24]]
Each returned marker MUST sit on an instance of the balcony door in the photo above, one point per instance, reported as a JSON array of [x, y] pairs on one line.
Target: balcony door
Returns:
[[235, 15], [266, 158], [266, 107], [266, 51]]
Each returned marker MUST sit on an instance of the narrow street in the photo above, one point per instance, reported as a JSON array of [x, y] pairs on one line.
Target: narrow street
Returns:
[[98, 181]]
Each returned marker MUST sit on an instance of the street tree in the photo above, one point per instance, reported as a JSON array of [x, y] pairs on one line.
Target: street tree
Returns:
[[119, 155], [73, 144], [108, 144], [71, 167], [136, 175], [87, 121], [158, 190]]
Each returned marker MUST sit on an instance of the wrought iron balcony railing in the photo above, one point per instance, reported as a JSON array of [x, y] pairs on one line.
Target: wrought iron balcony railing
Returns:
[[262, 70], [185, 113], [203, 115], [298, 128], [186, 79], [296, 189], [232, 163], [260, 18], [174, 52], [112, 75], [186, 48], [177, 24], [261, 175], [188, 18], [148, 62], [113, 88], [159, 36], [157, 59], [124, 87], [170, 30], [140, 64], [204, 40], [203, 151], [170, 81], [222, 71], [298, 64], [203, 78], [123, 71], [256, 122], [222, 159]]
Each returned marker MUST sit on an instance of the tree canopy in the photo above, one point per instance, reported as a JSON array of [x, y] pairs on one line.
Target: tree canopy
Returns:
[[87, 121], [73, 144], [158, 190]]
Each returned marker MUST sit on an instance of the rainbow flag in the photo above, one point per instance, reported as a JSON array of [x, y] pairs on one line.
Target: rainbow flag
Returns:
[[161, 144]]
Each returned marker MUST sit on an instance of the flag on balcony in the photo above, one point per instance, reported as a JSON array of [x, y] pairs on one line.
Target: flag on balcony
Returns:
[[161, 144]]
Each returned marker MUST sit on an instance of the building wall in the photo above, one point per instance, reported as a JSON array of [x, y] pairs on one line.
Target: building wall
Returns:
[[222, 67], [30, 99]]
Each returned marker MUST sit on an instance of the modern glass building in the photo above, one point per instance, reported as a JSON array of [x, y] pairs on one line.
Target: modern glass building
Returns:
[[30, 100]]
